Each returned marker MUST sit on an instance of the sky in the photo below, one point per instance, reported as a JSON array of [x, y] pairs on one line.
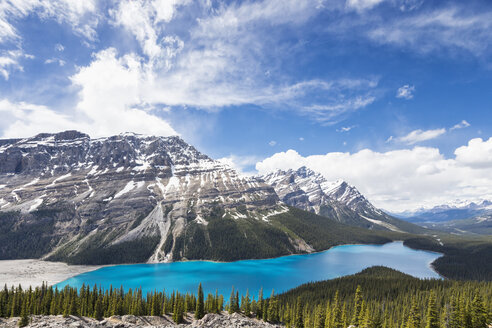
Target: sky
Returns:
[[393, 96]]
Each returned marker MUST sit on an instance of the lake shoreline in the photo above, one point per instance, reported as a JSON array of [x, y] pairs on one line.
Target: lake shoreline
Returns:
[[33, 272]]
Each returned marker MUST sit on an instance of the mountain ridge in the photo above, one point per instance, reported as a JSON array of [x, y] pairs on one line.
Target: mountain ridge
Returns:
[[133, 198], [310, 191]]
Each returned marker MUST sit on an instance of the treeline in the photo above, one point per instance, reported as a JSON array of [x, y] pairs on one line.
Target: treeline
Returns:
[[464, 257], [375, 298], [381, 297]]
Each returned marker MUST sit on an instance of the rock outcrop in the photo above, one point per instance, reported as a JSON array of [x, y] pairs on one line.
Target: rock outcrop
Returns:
[[128, 321]]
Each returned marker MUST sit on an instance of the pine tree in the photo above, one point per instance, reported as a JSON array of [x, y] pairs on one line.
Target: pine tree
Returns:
[[299, 320], [432, 315], [199, 312], [98, 310], [259, 311], [357, 307], [232, 301], [413, 320], [319, 317], [328, 317], [273, 308], [246, 304], [478, 312], [24, 320], [337, 314]]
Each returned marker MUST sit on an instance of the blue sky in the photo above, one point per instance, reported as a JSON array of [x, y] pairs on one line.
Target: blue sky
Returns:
[[392, 95]]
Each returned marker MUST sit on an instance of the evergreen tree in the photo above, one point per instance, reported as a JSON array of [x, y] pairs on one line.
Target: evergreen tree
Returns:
[[24, 320], [98, 310], [413, 320], [478, 312], [432, 315], [319, 317], [357, 307], [259, 311], [273, 308], [299, 320], [199, 312], [337, 314], [232, 301]]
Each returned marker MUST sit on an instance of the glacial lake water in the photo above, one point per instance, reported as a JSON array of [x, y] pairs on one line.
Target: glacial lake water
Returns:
[[280, 273]]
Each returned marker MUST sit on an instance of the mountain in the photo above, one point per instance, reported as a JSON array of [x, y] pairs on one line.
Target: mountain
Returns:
[[457, 210], [480, 224], [132, 198], [310, 191]]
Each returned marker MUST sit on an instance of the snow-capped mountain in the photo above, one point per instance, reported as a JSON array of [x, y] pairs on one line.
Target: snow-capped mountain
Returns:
[[310, 191], [456, 210], [132, 198], [121, 189]]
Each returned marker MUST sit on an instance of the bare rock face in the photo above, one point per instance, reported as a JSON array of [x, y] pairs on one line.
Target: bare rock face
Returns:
[[208, 321], [310, 191], [130, 195]]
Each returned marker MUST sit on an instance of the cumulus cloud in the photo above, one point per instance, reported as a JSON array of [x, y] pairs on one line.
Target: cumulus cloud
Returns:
[[272, 143], [242, 164], [109, 102], [402, 179], [25, 120], [110, 96], [419, 135], [477, 154], [405, 92]]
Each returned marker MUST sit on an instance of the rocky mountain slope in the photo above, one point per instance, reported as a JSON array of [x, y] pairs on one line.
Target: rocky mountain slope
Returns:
[[130, 321], [132, 198], [310, 191]]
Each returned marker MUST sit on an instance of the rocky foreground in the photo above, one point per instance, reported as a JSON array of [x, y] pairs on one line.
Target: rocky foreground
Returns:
[[130, 321]]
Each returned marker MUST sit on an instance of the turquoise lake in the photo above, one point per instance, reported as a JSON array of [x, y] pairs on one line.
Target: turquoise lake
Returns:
[[280, 273]]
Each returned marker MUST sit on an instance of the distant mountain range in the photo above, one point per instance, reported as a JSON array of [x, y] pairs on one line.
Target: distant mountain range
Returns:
[[459, 217], [134, 198]]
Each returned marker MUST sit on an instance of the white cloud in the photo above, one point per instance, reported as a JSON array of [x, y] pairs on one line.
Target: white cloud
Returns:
[[242, 164], [420, 135], [447, 28], [144, 19], [345, 128], [224, 60], [301, 138], [272, 143], [361, 5], [405, 92], [10, 61], [109, 102], [463, 124], [402, 179], [110, 96], [58, 61], [25, 120], [80, 15], [478, 153], [59, 47]]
